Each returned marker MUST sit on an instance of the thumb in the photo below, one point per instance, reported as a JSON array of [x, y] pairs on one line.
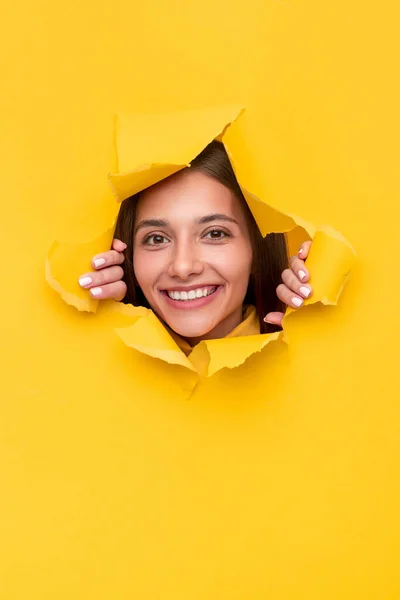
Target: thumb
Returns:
[[274, 318]]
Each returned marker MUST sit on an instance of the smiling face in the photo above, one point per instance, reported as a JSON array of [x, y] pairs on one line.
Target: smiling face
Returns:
[[192, 254]]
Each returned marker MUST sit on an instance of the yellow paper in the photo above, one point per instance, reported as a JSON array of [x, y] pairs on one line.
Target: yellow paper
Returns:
[[278, 479], [65, 261], [151, 147], [150, 337], [211, 356]]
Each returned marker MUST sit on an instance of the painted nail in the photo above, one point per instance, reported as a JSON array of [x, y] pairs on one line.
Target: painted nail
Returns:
[[84, 281], [296, 301], [99, 262], [305, 291], [96, 291], [302, 275]]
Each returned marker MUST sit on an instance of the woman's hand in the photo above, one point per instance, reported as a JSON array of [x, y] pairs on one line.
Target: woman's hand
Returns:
[[105, 281], [294, 287]]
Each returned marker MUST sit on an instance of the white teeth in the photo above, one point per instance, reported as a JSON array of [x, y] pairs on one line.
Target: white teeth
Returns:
[[192, 294]]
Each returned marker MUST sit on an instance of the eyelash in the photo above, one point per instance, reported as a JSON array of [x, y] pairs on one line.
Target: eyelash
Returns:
[[146, 241]]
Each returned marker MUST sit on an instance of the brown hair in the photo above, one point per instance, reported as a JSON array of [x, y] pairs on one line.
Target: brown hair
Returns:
[[270, 256]]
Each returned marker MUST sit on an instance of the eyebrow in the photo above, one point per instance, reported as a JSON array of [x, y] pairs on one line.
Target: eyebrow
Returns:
[[206, 219], [151, 223], [216, 217]]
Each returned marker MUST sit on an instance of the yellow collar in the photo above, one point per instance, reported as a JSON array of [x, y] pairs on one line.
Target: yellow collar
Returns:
[[249, 326]]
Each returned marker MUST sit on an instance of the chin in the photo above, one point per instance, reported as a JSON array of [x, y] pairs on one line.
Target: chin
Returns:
[[190, 330]]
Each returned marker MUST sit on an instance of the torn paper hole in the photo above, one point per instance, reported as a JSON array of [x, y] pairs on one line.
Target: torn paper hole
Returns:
[[151, 148]]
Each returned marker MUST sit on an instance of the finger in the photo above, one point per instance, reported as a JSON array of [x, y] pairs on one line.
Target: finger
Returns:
[[103, 277], [106, 259], [297, 287], [275, 318], [288, 297], [299, 269], [304, 249], [118, 245], [111, 291]]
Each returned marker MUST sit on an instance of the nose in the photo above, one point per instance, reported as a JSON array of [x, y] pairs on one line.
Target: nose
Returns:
[[185, 261]]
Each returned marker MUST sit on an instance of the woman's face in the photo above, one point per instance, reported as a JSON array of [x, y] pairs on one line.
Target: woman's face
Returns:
[[192, 254]]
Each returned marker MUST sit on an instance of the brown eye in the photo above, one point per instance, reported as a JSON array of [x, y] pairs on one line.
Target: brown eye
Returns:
[[156, 240], [216, 234]]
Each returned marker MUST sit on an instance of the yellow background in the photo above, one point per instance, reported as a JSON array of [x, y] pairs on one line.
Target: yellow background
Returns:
[[277, 480]]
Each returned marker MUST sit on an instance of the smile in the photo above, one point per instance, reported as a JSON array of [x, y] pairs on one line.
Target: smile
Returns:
[[191, 294], [194, 298]]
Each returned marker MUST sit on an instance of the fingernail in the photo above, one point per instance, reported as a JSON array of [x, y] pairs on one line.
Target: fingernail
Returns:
[[99, 262], [300, 251], [305, 291], [84, 281], [296, 301], [267, 321], [302, 275], [96, 291]]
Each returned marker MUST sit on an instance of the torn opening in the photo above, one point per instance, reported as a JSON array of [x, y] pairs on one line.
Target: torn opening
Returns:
[[153, 149]]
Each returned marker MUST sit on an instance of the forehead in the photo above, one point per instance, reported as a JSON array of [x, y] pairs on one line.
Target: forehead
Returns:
[[188, 194]]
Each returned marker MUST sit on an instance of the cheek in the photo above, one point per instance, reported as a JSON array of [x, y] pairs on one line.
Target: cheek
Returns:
[[235, 264], [144, 267], [149, 266]]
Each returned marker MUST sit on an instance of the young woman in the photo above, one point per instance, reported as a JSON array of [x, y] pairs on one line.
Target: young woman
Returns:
[[194, 254]]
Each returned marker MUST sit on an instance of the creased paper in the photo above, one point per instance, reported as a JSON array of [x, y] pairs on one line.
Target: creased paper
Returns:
[[64, 264], [151, 148]]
